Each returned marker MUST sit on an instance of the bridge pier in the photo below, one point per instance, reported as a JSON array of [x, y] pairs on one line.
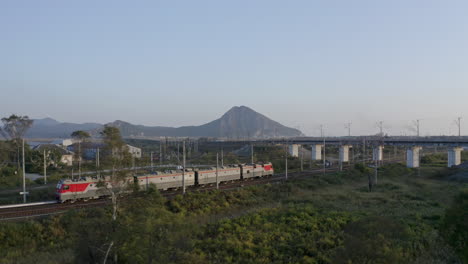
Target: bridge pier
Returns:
[[294, 150], [344, 153], [317, 152], [412, 157], [377, 153], [454, 156]]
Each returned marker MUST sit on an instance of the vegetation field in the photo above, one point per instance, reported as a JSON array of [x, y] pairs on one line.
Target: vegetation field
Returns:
[[322, 219]]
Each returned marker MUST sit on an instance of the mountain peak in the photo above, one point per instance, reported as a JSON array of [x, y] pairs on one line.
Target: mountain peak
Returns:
[[242, 107], [239, 109], [119, 123], [46, 121], [244, 122]]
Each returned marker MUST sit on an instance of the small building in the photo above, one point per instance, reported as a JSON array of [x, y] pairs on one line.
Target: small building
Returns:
[[64, 142], [67, 159], [134, 151], [65, 156], [90, 150]]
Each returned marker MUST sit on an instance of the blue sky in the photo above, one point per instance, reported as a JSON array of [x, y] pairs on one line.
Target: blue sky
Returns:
[[302, 63]]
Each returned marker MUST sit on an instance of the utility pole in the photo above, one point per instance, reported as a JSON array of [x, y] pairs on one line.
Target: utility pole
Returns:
[[339, 158], [79, 159], [376, 171], [458, 122], [166, 143], [348, 126], [151, 157], [178, 157], [222, 158], [419, 161], [189, 154], [160, 152], [96, 160], [45, 167], [324, 156], [217, 182], [377, 164], [416, 123], [380, 125], [98, 165], [183, 169], [24, 177], [364, 153], [302, 158], [310, 161], [252, 153], [286, 163]]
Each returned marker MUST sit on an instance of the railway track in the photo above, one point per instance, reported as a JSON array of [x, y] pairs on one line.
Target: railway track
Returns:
[[16, 212]]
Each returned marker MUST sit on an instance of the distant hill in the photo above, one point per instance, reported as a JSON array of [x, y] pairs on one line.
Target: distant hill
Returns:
[[50, 128], [238, 122]]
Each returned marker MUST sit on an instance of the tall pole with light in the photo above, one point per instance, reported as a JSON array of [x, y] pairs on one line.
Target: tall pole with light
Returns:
[[24, 178]]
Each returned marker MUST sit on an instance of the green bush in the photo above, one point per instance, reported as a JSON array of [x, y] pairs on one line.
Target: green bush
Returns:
[[455, 225], [373, 240], [361, 168]]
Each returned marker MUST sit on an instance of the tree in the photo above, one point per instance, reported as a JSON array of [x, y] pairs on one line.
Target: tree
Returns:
[[14, 128], [80, 136], [373, 239], [455, 225], [118, 156], [7, 153]]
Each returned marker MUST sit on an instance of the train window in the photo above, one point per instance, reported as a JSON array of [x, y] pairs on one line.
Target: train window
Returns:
[[66, 187]]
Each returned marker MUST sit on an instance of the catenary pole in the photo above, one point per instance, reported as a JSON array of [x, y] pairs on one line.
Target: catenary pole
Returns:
[[183, 167], [45, 168], [99, 162], [151, 157], [222, 157], [252, 153], [324, 156], [302, 158], [286, 163], [24, 177], [160, 152], [217, 182]]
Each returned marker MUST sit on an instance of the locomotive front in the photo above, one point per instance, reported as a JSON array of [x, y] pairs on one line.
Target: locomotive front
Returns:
[[60, 189]]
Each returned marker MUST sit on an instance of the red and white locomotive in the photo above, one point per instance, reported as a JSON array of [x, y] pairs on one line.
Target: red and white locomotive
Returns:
[[93, 188]]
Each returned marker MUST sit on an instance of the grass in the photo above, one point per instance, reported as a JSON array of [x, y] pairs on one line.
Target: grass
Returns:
[[417, 203]]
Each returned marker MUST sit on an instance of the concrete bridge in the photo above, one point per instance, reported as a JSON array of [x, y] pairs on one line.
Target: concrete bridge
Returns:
[[413, 146], [454, 145]]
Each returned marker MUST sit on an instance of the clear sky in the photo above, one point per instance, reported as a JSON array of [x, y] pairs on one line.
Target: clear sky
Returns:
[[302, 63]]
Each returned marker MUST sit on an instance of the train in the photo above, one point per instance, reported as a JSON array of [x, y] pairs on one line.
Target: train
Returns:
[[86, 188]]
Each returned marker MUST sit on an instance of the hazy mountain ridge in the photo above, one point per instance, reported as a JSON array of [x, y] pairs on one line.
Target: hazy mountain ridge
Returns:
[[50, 128], [238, 122]]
